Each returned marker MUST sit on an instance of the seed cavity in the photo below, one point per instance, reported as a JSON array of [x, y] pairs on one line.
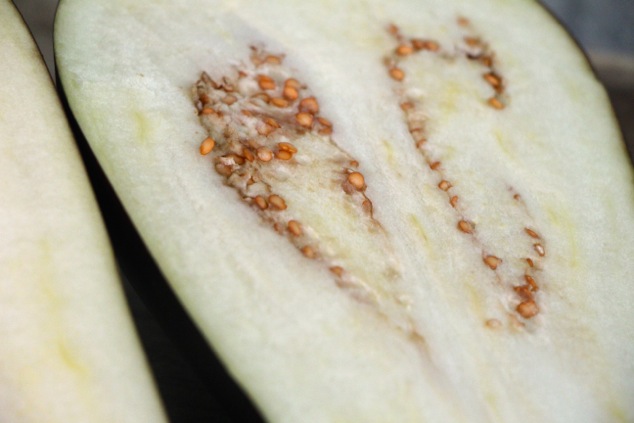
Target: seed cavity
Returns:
[[269, 142], [471, 47], [473, 50]]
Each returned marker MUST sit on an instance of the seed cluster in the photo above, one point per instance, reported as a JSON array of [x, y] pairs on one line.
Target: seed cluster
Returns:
[[256, 121], [476, 50], [471, 46]]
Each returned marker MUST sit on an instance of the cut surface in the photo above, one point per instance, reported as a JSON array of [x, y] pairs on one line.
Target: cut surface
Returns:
[[405, 212], [68, 352]]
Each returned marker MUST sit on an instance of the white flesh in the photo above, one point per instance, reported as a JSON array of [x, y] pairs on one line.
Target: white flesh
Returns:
[[68, 352], [304, 348]]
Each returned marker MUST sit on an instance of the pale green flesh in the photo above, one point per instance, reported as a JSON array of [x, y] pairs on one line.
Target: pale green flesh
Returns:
[[307, 350], [68, 352]]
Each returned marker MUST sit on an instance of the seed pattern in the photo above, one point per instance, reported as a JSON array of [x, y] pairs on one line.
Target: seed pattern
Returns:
[[254, 120], [474, 49], [471, 46]]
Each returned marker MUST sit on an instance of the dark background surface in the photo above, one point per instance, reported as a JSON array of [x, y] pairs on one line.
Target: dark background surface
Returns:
[[605, 28]]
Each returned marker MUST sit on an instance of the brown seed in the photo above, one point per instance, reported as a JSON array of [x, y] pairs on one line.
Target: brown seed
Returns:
[[493, 79], [463, 21], [290, 93], [246, 113], [226, 86], [397, 74], [284, 155], [492, 261], [207, 145], [444, 185], [204, 98], [207, 111], [540, 249], [269, 125], [493, 324], [472, 41], [292, 82], [418, 44], [262, 96], [272, 122], [264, 154], [434, 165], [367, 206], [524, 291], [279, 102], [265, 129], [495, 103], [357, 180], [393, 29], [261, 202], [432, 46], [304, 119], [354, 163], [486, 61], [287, 146], [308, 252], [223, 169], [408, 105], [266, 82], [404, 50], [248, 155], [337, 270], [531, 282], [274, 60], [310, 105], [530, 262], [277, 202], [465, 226], [531, 233], [325, 122], [239, 160], [294, 227], [325, 131], [229, 99], [454, 201], [527, 309]]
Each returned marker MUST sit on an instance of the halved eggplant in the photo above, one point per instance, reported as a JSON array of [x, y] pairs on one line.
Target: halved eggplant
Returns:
[[68, 351], [403, 211]]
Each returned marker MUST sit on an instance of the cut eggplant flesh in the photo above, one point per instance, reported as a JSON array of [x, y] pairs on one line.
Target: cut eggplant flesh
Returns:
[[403, 211], [68, 351]]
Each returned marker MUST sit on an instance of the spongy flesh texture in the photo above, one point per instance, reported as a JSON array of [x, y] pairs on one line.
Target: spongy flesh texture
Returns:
[[499, 275], [68, 351]]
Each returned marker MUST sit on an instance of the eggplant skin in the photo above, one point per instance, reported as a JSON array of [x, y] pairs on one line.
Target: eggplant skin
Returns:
[[69, 352]]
